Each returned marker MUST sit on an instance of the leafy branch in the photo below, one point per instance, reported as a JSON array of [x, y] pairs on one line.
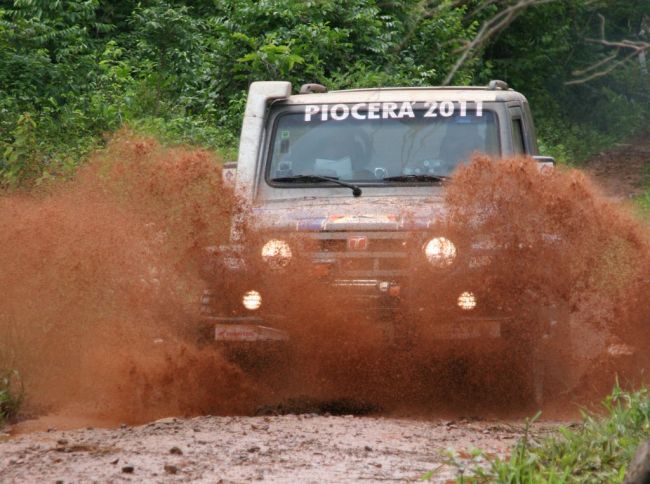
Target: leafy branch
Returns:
[[628, 48], [490, 28]]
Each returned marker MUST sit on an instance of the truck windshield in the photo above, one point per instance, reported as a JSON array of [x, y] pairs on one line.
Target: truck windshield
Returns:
[[379, 142]]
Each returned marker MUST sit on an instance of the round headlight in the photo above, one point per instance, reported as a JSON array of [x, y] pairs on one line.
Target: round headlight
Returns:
[[467, 301], [276, 253], [440, 252], [252, 300]]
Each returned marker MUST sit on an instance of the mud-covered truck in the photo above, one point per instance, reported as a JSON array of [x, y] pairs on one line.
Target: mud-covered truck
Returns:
[[342, 169]]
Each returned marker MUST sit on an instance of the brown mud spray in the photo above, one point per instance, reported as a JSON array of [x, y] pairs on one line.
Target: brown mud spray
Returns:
[[100, 281], [552, 252], [99, 278]]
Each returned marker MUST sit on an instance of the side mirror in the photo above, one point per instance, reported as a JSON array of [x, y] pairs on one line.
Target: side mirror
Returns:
[[544, 161]]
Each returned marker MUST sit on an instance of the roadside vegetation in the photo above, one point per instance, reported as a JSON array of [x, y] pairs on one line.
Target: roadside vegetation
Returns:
[[11, 395], [644, 204], [74, 71], [597, 450], [644, 199]]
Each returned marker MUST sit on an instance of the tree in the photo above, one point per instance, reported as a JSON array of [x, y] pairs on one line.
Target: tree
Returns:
[[623, 51]]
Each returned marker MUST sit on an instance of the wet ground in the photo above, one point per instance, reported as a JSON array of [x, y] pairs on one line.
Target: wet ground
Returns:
[[623, 171], [289, 448]]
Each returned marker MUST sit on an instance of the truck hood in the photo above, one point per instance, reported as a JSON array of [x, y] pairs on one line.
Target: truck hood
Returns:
[[365, 213]]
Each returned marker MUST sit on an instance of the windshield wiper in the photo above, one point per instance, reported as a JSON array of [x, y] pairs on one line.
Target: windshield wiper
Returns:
[[356, 191], [417, 178]]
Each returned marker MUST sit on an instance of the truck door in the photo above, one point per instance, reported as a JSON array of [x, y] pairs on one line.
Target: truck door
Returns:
[[520, 142]]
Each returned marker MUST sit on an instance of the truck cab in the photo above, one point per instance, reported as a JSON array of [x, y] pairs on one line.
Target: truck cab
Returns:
[[366, 136], [351, 183]]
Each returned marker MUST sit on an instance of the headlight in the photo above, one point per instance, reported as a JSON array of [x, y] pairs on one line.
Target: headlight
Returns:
[[252, 300], [467, 301], [276, 253], [440, 252]]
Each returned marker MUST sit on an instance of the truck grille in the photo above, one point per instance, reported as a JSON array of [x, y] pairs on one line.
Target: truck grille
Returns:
[[381, 255]]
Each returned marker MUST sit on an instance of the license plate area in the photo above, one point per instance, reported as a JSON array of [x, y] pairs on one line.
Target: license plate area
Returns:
[[247, 332], [467, 329]]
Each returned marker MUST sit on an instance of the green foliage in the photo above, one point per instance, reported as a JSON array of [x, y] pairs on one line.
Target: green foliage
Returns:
[[11, 395], [643, 203], [179, 69], [598, 451], [546, 48], [21, 155]]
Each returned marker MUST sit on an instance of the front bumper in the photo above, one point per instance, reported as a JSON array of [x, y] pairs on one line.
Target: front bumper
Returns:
[[256, 329], [373, 286], [245, 329]]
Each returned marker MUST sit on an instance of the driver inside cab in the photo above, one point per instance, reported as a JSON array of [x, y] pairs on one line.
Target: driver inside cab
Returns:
[[345, 158]]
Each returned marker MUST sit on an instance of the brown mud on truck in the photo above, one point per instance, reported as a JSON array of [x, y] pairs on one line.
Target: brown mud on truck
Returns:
[[344, 215]]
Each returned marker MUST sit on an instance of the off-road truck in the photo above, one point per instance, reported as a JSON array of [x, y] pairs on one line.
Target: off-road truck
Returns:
[[341, 169]]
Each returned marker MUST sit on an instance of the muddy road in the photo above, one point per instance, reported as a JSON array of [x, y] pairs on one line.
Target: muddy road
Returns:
[[289, 448], [624, 169]]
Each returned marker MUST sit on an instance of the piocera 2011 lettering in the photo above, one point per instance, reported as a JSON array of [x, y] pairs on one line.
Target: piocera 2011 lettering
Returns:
[[391, 110]]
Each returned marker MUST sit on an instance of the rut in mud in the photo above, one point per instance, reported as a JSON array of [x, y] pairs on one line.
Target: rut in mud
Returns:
[[101, 279]]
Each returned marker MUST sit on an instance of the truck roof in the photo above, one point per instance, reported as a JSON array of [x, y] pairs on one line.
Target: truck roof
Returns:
[[397, 94]]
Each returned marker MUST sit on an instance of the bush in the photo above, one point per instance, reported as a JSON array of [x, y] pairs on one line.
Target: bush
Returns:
[[11, 395], [598, 451]]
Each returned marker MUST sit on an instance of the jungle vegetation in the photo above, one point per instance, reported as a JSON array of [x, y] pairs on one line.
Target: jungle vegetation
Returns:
[[73, 71]]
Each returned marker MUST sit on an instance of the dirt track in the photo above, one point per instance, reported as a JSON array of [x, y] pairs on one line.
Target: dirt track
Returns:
[[290, 448], [623, 169]]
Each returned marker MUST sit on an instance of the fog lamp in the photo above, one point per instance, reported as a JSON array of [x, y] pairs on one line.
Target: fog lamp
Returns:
[[440, 252], [252, 300], [277, 253], [467, 301]]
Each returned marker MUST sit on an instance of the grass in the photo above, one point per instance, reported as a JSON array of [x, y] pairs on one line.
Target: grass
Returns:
[[598, 450], [643, 201], [11, 395]]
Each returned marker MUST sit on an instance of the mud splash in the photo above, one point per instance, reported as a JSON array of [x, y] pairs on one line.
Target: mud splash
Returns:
[[563, 245], [101, 279], [543, 250], [97, 280]]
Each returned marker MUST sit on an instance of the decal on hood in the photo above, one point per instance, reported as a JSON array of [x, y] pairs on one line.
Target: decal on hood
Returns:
[[361, 219], [340, 222], [310, 224]]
